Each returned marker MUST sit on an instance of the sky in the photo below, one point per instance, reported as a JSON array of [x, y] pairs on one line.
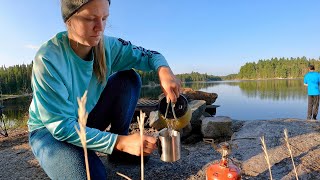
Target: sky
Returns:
[[215, 37]]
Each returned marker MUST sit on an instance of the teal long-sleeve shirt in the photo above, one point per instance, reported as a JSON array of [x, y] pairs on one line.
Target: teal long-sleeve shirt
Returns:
[[59, 76]]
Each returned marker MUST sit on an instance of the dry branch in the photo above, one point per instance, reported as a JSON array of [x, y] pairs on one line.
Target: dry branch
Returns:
[[141, 127], [124, 176], [289, 149], [83, 116], [264, 148]]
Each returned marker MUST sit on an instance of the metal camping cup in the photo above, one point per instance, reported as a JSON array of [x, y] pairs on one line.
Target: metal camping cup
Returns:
[[169, 147], [179, 114]]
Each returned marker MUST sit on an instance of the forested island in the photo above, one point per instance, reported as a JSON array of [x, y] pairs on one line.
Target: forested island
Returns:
[[277, 68], [16, 79]]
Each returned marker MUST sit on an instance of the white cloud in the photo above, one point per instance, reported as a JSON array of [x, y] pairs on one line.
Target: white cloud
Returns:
[[33, 47]]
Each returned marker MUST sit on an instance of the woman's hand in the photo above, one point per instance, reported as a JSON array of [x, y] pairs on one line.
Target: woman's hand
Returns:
[[169, 83], [131, 144]]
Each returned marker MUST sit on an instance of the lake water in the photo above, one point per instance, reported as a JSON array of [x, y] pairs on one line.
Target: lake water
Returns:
[[255, 100], [15, 110], [243, 100]]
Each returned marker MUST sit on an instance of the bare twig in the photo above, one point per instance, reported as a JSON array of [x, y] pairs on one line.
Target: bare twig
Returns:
[[264, 148], [289, 149], [83, 116], [210, 141], [124, 176], [141, 127]]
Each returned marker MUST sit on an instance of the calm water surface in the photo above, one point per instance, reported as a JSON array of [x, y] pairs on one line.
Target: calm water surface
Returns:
[[15, 110], [256, 100], [243, 100]]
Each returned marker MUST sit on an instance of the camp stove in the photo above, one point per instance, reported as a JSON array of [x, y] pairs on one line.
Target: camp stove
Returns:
[[224, 169]]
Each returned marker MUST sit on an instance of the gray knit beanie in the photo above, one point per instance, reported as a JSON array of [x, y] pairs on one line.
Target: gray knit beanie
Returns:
[[69, 7]]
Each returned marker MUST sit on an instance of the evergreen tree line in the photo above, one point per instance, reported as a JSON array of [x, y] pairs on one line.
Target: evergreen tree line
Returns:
[[195, 76], [277, 68], [150, 78], [15, 79]]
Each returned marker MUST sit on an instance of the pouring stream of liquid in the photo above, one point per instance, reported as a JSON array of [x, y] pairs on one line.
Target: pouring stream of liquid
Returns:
[[170, 123]]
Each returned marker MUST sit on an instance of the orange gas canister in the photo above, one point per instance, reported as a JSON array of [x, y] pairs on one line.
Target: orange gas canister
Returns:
[[223, 170]]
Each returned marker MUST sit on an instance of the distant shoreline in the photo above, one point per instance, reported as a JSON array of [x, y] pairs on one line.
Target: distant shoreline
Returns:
[[259, 79], [10, 96]]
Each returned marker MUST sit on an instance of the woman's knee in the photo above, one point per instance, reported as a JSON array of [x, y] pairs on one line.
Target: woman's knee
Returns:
[[135, 77], [128, 77]]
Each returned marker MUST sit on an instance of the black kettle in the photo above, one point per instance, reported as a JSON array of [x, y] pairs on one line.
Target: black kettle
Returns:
[[177, 114]]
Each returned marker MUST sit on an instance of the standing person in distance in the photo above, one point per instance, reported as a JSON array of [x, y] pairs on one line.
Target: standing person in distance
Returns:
[[312, 80], [80, 59]]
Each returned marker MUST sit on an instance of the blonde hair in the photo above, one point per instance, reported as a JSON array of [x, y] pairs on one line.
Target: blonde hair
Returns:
[[99, 64]]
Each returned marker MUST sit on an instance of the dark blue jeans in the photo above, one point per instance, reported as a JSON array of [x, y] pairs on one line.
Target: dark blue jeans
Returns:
[[116, 106]]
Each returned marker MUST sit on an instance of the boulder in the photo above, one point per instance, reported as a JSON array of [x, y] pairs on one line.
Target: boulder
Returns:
[[216, 127], [211, 109], [206, 114], [304, 139], [210, 98], [186, 131], [197, 108]]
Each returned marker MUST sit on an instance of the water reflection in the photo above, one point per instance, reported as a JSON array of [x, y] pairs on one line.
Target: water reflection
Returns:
[[15, 110], [274, 89], [280, 89], [150, 92], [201, 85], [264, 99]]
